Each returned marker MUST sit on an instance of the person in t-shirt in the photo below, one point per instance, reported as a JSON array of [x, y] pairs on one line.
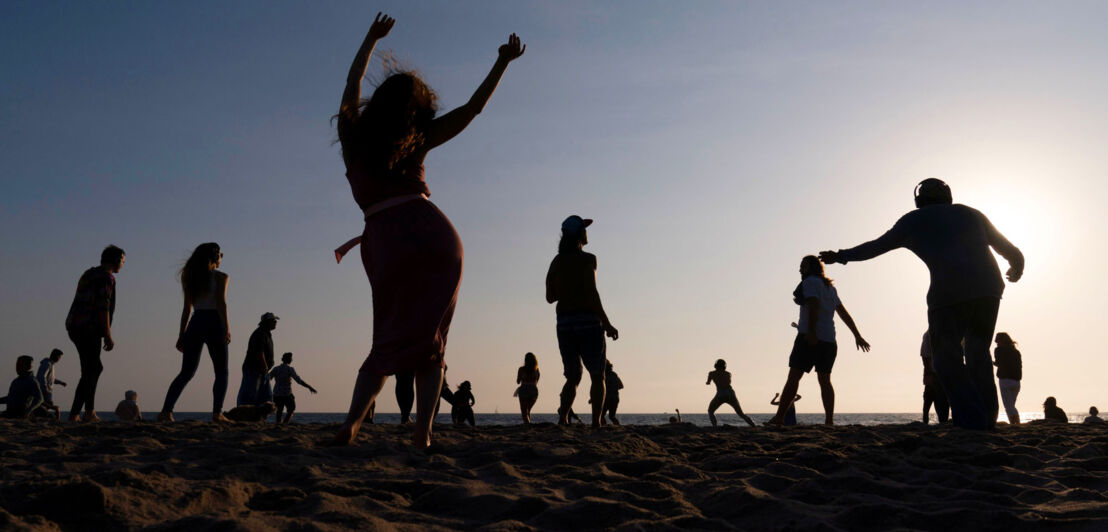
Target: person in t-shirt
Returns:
[[815, 345], [255, 389], [24, 395], [1051, 412], [89, 324], [932, 390], [46, 380], [283, 398], [1009, 372], [128, 408]]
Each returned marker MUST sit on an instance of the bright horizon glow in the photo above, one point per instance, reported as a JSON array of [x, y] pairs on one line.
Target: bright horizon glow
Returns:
[[713, 146]]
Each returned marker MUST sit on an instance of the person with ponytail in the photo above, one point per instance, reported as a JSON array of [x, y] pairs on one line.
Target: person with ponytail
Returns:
[[203, 322]]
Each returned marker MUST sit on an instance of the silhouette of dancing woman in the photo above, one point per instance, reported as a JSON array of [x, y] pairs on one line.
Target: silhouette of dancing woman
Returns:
[[411, 253], [964, 298], [582, 323], [527, 377], [815, 339], [205, 291], [725, 394]]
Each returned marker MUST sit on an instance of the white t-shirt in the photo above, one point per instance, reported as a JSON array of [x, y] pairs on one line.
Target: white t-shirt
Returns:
[[813, 286]]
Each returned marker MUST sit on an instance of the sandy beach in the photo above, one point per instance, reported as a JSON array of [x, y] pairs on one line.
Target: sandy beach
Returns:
[[197, 476]]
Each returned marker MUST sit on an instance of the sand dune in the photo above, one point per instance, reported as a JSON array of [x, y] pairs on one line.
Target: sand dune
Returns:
[[195, 476]]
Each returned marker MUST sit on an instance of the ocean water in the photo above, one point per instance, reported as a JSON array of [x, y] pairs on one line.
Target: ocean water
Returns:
[[698, 419]]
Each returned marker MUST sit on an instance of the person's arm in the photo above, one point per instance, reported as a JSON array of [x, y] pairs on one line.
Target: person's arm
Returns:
[[60, 382], [709, 381], [104, 315], [598, 307], [552, 281], [472, 400], [892, 239], [1006, 249], [774, 401], [449, 125], [301, 382], [185, 311], [221, 305], [348, 108], [519, 375], [860, 342]]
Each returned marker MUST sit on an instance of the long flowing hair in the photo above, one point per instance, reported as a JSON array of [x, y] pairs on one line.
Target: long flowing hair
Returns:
[[195, 275], [389, 126], [1004, 340], [531, 362], [815, 267]]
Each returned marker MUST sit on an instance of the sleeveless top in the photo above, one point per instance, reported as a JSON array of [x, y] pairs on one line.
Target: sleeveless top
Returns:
[[209, 300], [369, 187]]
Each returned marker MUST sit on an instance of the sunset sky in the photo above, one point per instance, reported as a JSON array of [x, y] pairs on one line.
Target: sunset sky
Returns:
[[714, 144]]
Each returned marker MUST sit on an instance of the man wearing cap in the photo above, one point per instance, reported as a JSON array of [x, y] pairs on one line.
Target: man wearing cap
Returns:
[[582, 323], [255, 388], [962, 303]]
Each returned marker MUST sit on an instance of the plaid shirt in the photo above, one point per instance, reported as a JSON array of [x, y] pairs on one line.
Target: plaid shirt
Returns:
[[95, 294]]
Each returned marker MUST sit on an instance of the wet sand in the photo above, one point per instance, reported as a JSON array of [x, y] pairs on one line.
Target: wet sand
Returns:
[[196, 476]]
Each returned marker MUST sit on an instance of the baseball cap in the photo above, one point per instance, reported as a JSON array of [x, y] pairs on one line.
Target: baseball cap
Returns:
[[575, 224]]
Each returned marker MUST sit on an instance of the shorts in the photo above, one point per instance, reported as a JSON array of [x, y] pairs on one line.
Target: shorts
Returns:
[[581, 340], [288, 402], [820, 356]]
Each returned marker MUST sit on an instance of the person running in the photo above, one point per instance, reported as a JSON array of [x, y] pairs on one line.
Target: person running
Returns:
[[790, 415], [128, 408], [89, 325], [725, 394], [1051, 412], [410, 251], [283, 398], [24, 396], [46, 380], [255, 389], [953, 240], [462, 410], [1093, 417], [582, 322], [932, 390], [527, 377], [203, 322], [612, 386], [814, 346], [1009, 372]]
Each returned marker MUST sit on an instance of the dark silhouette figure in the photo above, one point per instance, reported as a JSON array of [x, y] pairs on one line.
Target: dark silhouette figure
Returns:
[[582, 323], [1051, 412], [283, 398], [815, 345], [1009, 373], [24, 396], [252, 413], [612, 385], [527, 377], [128, 408], [203, 322], [1094, 416], [46, 381], [790, 415], [89, 324], [255, 388], [677, 418], [462, 410], [410, 251], [953, 241], [725, 394], [932, 390], [405, 395]]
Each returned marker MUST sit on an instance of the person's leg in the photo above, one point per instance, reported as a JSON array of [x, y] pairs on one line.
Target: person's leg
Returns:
[[571, 364], [947, 326], [612, 407], [217, 350], [279, 404], [792, 383], [1009, 389], [596, 394], [734, 402], [942, 407], [712, 407], [290, 404], [827, 393], [927, 400], [980, 326], [88, 350], [428, 382], [366, 388], [523, 411], [405, 395], [190, 361]]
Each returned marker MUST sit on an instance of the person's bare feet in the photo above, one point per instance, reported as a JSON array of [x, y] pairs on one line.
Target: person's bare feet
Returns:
[[421, 438], [74, 418], [218, 417], [774, 421], [165, 417], [90, 417], [345, 435]]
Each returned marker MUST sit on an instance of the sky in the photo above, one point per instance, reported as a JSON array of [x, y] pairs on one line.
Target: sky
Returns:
[[714, 144]]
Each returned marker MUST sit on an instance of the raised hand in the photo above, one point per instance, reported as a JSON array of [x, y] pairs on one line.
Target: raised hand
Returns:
[[381, 25], [829, 257], [512, 49]]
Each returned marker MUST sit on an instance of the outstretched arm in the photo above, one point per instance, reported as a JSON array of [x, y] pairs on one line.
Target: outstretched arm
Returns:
[[860, 342], [378, 30], [885, 243], [301, 382], [1007, 250], [449, 125]]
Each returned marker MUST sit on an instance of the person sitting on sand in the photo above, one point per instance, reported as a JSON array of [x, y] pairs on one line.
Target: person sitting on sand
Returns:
[[815, 345], [46, 380], [462, 411], [283, 398], [24, 395], [725, 394], [1009, 371], [128, 408], [1051, 412], [1094, 416], [790, 415], [612, 386], [527, 377], [932, 390]]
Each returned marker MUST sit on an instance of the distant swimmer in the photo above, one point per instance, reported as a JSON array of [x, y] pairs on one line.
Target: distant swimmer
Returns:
[[462, 412], [1094, 416], [790, 414], [24, 396], [283, 397], [89, 324], [1051, 412], [815, 345], [527, 377], [954, 242], [725, 394], [128, 408], [1009, 372]]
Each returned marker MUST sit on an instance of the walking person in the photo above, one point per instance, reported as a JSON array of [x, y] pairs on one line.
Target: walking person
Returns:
[[46, 379], [725, 394], [932, 390], [255, 389], [1009, 372], [89, 325], [527, 377], [815, 346], [954, 242], [203, 322], [283, 398], [410, 251], [582, 322]]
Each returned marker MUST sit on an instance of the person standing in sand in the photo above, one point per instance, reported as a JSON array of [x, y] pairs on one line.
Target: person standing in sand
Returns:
[[582, 322], [962, 303], [612, 385], [203, 322], [814, 346], [46, 380], [410, 251], [725, 394], [932, 390], [1009, 372], [89, 324], [283, 398], [255, 389], [462, 406], [527, 377]]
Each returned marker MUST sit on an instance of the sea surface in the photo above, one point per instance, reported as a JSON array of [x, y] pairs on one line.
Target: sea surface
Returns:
[[698, 419]]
